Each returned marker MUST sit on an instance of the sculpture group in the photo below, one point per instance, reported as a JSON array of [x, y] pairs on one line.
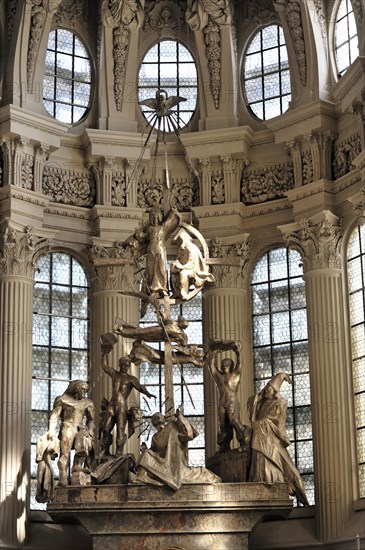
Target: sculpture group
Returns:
[[263, 444]]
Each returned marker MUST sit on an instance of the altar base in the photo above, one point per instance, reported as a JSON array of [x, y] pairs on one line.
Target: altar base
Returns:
[[196, 517]]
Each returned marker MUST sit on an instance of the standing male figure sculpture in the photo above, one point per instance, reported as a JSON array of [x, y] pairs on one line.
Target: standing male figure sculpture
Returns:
[[71, 407], [116, 411], [270, 459], [227, 379]]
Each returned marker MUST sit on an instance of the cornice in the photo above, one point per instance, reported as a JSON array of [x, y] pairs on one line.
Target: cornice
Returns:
[[294, 123], [351, 80], [9, 192], [15, 121]]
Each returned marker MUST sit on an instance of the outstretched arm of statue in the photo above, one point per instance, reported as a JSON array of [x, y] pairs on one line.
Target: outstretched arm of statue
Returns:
[[141, 388], [105, 365]]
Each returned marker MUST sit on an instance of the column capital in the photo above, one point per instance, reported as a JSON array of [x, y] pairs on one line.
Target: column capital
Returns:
[[228, 261], [19, 250], [317, 239], [115, 267]]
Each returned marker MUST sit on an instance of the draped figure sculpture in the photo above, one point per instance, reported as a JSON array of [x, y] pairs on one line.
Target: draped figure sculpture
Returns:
[[189, 268], [270, 461], [166, 462]]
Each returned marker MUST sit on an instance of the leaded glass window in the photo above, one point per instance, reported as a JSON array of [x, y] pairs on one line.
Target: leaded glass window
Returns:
[[280, 343], [266, 75], [187, 380], [356, 282], [346, 42], [60, 340], [67, 77], [169, 66]]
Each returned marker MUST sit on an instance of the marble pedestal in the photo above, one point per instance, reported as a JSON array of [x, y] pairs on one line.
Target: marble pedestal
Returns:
[[196, 517]]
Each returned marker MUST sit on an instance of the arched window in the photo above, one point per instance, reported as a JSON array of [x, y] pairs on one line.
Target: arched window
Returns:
[[266, 76], [60, 339], [346, 42], [67, 77], [187, 380], [169, 66], [356, 282], [280, 343]]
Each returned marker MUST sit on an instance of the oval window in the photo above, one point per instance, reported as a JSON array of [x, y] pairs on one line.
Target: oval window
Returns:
[[266, 77], [168, 71]]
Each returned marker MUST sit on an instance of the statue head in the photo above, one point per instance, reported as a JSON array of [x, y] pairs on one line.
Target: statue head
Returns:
[[158, 421], [124, 364], [227, 365], [274, 385], [77, 389], [155, 216]]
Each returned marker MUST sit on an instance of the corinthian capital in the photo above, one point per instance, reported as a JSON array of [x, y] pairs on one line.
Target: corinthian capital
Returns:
[[228, 261], [19, 250], [318, 240]]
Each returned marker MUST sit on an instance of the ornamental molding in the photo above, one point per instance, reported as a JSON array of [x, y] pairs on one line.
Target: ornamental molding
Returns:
[[358, 203], [344, 154], [11, 9], [18, 250], [317, 240], [208, 17], [164, 14], [68, 213], [307, 167], [265, 185], [10, 192], [184, 193], [74, 188]]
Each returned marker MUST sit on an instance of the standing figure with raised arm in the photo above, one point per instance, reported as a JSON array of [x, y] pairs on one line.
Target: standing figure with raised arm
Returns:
[[227, 379], [116, 410], [71, 407]]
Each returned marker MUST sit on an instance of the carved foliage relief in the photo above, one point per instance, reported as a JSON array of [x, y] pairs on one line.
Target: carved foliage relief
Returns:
[[265, 185], [344, 154], [184, 194], [77, 189], [71, 11]]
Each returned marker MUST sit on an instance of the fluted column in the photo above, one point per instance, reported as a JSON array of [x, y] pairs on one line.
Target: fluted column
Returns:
[[319, 242], [112, 275], [16, 298], [223, 317]]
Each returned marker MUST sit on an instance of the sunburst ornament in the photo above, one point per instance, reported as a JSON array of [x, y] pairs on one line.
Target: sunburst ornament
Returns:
[[162, 106]]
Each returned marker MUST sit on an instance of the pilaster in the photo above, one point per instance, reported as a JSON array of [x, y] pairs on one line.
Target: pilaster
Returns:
[[224, 306], [17, 263], [319, 241]]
